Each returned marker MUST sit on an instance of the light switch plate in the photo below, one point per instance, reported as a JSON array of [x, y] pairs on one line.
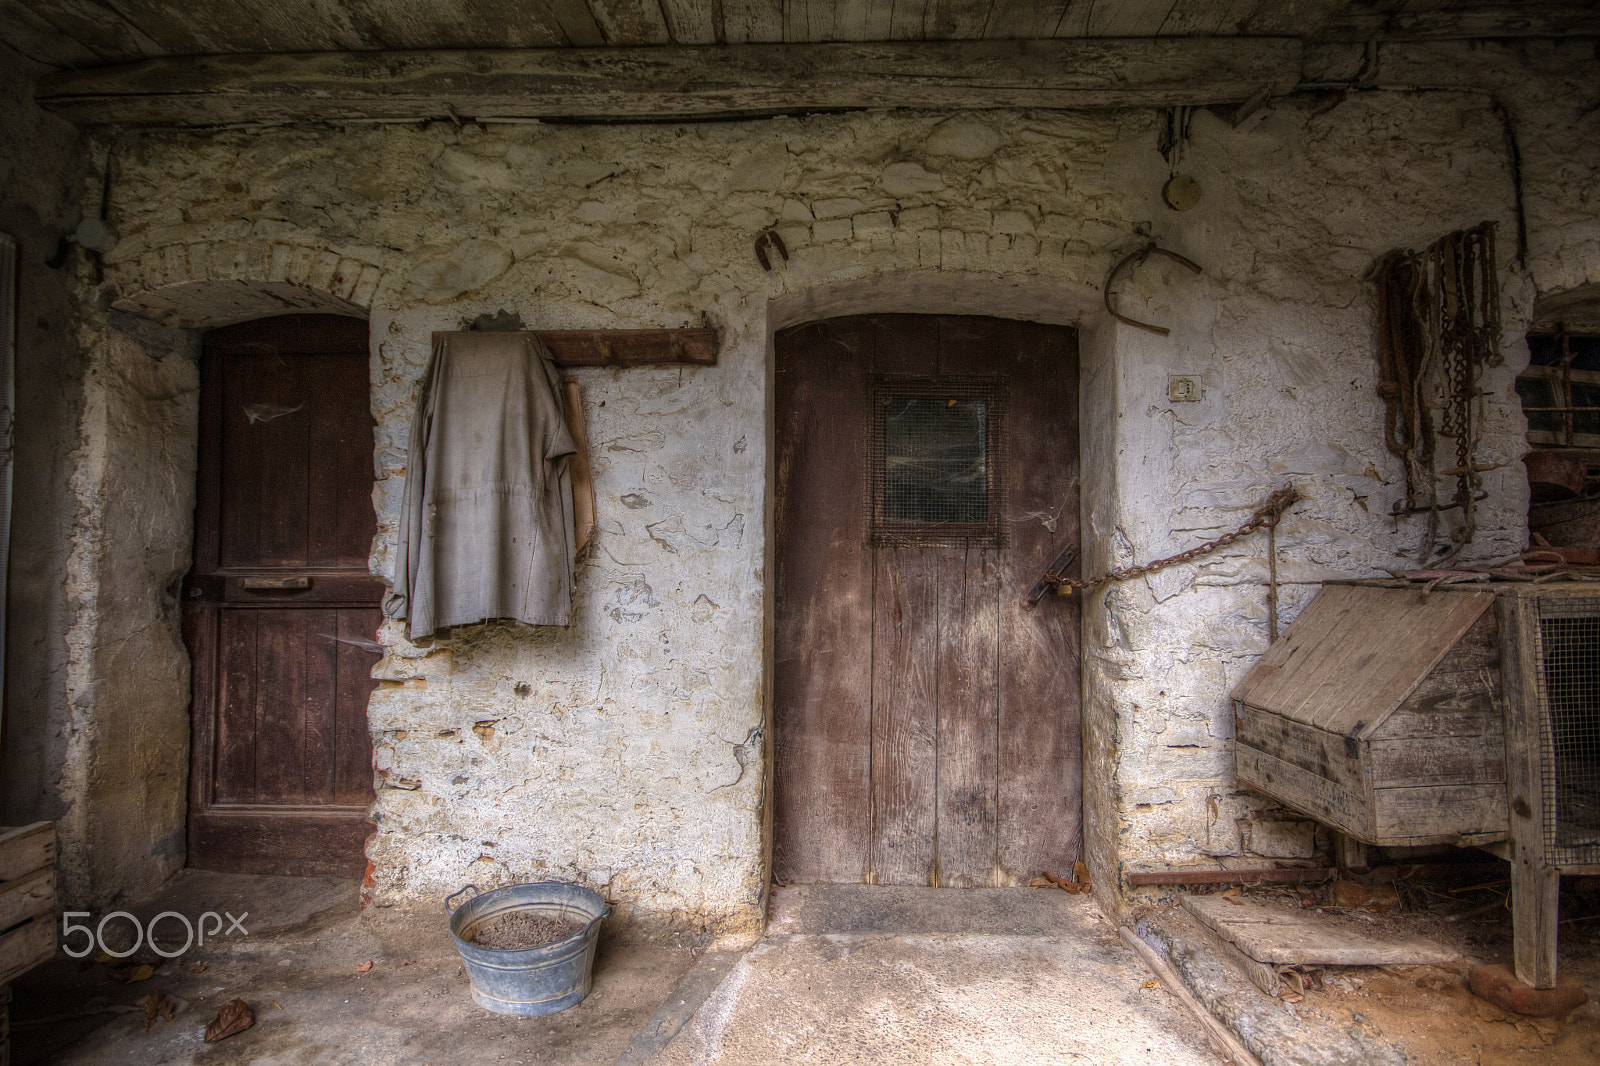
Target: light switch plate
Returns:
[[1183, 388]]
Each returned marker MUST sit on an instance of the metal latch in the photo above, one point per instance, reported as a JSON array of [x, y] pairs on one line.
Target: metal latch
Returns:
[[275, 584]]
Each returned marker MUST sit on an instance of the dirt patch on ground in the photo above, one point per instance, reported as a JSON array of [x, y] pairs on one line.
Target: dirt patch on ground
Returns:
[[1428, 1011], [524, 929]]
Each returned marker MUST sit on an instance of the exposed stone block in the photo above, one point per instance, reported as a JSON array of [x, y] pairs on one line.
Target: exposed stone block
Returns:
[[963, 138], [870, 224], [967, 219], [833, 229], [909, 179], [839, 207], [1012, 222]]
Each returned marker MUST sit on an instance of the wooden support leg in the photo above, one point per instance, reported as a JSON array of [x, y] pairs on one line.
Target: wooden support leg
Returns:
[[1535, 911], [1349, 852]]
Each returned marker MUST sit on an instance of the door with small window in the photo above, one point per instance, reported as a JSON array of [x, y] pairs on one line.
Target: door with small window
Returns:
[[927, 721]]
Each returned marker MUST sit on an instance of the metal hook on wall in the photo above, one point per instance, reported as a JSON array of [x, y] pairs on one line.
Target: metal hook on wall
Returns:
[[1134, 259]]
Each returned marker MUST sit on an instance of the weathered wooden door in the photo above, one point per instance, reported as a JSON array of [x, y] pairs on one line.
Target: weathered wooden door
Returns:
[[279, 611], [927, 722]]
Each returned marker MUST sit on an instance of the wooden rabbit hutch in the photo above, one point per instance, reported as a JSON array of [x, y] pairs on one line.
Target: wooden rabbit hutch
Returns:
[[1466, 716]]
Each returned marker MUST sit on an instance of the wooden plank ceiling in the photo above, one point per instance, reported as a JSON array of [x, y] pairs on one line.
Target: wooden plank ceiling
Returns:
[[89, 33]]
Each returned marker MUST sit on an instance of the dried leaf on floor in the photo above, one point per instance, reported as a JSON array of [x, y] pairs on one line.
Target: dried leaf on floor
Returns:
[[364, 967], [1080, 873], [1234, 891], [1151, 984], [134, 971], [1039, 882], [235, 1017], [156, 1006], [200, 967]]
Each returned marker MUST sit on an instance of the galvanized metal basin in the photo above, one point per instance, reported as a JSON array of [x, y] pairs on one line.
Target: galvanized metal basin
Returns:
[[529, 982]]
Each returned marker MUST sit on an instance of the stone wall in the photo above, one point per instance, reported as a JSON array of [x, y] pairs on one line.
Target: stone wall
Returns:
[[42, 172], [628, 750]]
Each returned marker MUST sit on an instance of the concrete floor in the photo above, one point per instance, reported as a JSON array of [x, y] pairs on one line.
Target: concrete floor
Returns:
[[845, 974]]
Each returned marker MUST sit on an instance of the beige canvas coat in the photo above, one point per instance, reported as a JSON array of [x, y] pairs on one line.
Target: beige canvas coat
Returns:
[[486, 526]]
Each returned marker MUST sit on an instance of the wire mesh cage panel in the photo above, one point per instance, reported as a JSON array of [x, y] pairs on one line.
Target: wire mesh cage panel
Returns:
[[1568, 687]]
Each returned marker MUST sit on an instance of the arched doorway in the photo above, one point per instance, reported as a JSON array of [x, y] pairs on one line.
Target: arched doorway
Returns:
[[927, 723], [279, 608]]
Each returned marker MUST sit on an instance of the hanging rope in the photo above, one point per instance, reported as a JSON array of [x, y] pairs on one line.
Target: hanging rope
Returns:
[[1438, 327]]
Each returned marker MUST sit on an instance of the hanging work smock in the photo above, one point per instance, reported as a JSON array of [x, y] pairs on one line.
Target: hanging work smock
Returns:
[[486, 527]]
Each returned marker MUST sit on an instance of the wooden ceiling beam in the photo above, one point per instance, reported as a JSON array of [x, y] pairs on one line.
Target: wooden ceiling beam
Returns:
[[673, 82]]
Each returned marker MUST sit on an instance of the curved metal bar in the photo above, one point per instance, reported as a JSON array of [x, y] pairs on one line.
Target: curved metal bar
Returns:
[[1135, 259]]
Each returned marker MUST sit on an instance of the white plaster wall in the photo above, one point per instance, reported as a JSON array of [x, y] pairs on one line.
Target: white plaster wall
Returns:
[[624, 750], [125, 773]]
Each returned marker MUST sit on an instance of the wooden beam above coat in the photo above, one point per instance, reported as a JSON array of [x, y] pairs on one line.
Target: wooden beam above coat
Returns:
[[674, 82], [630, 347]]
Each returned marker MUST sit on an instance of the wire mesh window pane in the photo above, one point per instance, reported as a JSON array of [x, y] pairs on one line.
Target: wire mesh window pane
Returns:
[[935, 473], [935, 456]]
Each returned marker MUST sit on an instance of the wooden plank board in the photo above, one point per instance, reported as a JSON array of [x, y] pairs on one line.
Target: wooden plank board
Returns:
[[954, 20], [905, 755], [627, 347], [751, 79], [752, 21], [1280, 936], [1436, 812], [1311, 749], [968, 592], [32, 895], [26, 849], [1444, 760], [1206, 18], [356, 629], [1329, 802], [1022, 19], [299, 842], [690, 21], [1041, 736], [630, 347], [1510, 18], [631, 22], [1129, 18], [25, 947], [1535, 885], [822, 661], [1356, 653]]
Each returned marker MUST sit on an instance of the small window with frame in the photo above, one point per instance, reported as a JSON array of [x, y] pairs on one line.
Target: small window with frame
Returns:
[[935, 462]]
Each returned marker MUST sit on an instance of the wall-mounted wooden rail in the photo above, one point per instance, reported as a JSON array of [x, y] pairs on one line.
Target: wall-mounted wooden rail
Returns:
[[630, 347]]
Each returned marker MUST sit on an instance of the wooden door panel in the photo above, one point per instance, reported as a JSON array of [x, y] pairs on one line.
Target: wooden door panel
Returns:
[[1039, 691], [233, 708], [823, 744], [967, 662], [358, 655], [905, 729], [279, 611], [963, 704]]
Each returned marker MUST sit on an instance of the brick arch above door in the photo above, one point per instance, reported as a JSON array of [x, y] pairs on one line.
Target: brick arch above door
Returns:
[[206, 284]]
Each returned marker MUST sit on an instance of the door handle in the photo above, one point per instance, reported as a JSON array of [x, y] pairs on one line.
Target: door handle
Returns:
[[274, 584]]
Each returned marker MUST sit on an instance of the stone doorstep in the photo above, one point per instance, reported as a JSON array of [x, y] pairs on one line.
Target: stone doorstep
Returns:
[[1267, 1027]]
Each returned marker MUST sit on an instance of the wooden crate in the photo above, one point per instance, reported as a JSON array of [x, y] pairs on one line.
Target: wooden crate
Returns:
[[27, 898], [1381, 714]]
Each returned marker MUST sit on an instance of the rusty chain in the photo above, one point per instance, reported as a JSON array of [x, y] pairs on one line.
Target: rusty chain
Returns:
[[1266, 516]]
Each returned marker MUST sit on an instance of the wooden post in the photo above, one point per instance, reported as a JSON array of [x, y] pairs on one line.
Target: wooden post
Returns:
[[1534, 882], [1349, 852]]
